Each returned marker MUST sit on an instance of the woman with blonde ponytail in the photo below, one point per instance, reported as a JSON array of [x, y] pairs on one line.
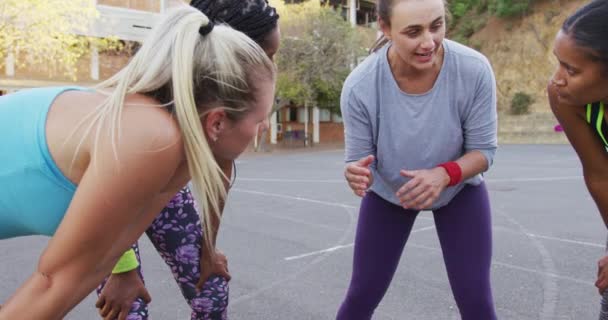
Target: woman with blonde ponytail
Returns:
[[176, 233], [101, 163]]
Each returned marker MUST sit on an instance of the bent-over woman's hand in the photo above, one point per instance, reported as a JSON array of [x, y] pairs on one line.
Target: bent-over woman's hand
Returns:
[[209, 267], [423, 189], [118, 295], [359, 176], [602, 275]]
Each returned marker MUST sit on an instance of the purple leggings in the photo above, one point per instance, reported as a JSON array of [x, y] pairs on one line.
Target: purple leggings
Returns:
[[177, 236], [464, 229]]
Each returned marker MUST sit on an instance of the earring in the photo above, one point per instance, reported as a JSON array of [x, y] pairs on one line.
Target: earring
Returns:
[[214, 139]]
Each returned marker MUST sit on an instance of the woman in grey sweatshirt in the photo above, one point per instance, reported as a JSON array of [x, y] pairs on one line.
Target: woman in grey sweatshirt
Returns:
[[420, 129]]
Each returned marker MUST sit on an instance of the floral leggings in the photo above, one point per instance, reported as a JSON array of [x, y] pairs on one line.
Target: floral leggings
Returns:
[[177, 236]]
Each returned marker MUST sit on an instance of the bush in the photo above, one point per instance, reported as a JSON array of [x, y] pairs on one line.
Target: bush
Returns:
[[510, 8], [521, 103], [459, 9]]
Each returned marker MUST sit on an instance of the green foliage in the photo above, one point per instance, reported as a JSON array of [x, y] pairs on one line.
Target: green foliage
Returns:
[[521, 103], [318, 48], [289, 88], [469, 16], [45, 33], [510, 8], [328, 93], [459, 9]]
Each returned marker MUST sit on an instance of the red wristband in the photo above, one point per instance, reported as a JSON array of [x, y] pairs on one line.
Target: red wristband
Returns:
[[454, 171]]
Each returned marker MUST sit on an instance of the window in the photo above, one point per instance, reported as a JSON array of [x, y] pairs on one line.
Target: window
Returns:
[[302, 114], [324, 115], [337, 118], [293, 115]]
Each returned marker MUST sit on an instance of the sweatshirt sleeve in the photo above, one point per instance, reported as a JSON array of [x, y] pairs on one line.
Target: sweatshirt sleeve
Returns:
[[480, 121], [358, 131]]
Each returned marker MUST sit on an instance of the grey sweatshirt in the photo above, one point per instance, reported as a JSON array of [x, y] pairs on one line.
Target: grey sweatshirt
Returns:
[[419, 131]]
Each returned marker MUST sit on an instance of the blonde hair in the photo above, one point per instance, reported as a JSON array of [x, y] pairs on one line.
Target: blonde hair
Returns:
[[190, 73]]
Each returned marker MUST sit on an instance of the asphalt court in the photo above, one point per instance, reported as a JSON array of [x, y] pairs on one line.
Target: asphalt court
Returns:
[[289, 227]]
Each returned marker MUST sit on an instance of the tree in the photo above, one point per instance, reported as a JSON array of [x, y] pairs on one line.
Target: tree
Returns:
[[47, 33], [317, 52]]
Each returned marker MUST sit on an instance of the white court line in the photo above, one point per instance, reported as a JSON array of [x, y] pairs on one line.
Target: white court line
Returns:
[[283, 196], [553, 275], [293, 180], [318, 252], [582, 243], [341, 205], [536, 179], [539, 236], [514, 267], [541, 179], [340, 247], [304, 222], [295, 275], [550, 285], [327, 203], [319, 259]]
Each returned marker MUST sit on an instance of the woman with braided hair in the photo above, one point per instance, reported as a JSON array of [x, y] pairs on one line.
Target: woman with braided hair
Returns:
[[578, 96], [176, 233]]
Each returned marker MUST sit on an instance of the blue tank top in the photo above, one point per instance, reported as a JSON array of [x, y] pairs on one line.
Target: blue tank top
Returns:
[[35, 194]]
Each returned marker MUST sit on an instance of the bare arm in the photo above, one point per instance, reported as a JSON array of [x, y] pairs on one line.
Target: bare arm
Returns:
[[589, 148], [113, 205]]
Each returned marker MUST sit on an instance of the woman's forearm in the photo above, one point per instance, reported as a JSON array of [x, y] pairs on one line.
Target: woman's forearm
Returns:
[[46, 297], [472, 163], [35, 299], [598, 188]]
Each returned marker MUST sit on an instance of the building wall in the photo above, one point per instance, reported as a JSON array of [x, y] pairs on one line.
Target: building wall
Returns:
[[109, 62], [144, 5], [329, 132], [332, 133]]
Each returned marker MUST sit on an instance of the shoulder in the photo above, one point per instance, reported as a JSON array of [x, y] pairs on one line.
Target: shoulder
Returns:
[[364, 73], [146, 133], [150, 125]]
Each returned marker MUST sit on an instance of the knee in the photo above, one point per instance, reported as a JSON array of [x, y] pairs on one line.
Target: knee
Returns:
[[213, 298]]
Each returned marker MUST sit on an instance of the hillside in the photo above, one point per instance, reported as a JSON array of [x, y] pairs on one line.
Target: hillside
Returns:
[[520, 50]]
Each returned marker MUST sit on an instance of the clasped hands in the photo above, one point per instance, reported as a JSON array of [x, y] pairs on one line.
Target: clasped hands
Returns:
[[419, 193]]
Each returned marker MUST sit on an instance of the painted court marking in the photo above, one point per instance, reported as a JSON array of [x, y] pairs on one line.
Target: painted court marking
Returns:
[[340, 247], [549, 273], [540, 179]]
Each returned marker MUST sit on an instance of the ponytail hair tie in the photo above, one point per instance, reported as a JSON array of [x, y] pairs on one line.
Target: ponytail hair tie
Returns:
[[204, 30]]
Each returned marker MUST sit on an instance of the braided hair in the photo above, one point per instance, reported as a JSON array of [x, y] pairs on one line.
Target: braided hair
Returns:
[[255, 18]]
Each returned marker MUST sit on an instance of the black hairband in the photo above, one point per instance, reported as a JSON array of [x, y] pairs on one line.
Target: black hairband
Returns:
[[204, 30]]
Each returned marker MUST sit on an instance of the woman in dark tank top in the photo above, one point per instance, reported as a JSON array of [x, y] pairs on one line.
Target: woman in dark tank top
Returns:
[[577, 93]]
